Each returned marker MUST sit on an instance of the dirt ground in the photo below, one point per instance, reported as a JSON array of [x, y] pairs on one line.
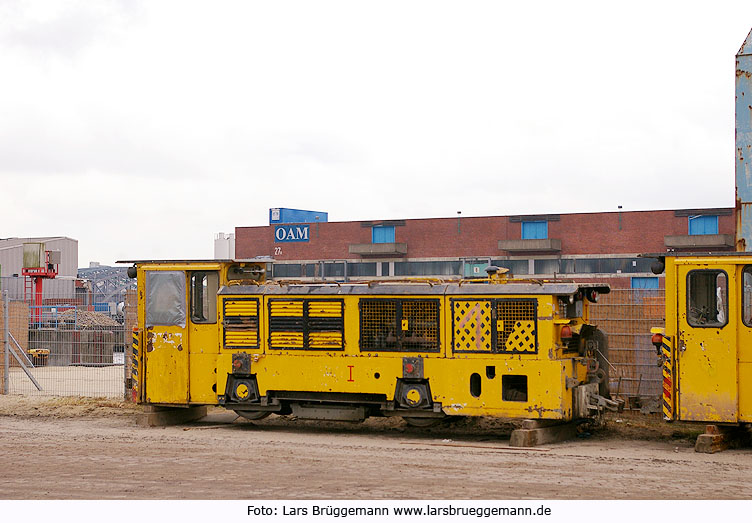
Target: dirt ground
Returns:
[[92, 449]]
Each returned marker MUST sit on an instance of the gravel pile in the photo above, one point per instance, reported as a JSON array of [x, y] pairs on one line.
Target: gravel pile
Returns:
[[88, 319]]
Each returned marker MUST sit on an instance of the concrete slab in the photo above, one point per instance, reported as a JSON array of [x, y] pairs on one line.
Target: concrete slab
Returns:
[[162, 416], [531, 437]]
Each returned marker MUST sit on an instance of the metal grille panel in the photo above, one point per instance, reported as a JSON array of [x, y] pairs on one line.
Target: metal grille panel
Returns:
[[522, 338], [399, 325], [378, 325], [494, 325], [515, 322], [420, 325], [472, 326]]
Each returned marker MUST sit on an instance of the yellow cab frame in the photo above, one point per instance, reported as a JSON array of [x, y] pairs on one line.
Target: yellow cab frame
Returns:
[[705, 348]]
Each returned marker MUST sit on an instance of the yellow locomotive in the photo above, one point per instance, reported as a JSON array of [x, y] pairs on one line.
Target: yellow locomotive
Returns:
[[218, 332]]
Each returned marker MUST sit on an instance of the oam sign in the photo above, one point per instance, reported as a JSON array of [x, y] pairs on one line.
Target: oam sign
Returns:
[[291, 233]]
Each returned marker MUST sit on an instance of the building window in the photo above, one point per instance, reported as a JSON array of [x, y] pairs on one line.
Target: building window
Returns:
[[361, 269], [516, 267], [436, 268], [286, 270], [334, 270], [703, 225], [647, 282], [537, 230], [382, 234], [547, 266]]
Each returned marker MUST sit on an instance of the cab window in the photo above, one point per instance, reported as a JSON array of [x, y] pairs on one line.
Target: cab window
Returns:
[[204, 287], [747, 296], [707, 298], [165, 298]]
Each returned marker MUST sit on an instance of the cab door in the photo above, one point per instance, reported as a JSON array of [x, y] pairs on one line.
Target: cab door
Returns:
[[706, 345], [166, 354], [203, 334]]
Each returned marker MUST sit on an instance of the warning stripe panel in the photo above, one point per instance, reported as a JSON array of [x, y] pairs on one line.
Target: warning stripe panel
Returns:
[[135, 356], [668, 384]]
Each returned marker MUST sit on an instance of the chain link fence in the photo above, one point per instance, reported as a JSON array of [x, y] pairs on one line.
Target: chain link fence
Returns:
[[626, 316], [65, 346]]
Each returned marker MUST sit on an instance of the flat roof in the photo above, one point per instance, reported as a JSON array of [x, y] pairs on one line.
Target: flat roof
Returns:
[[349, 289]]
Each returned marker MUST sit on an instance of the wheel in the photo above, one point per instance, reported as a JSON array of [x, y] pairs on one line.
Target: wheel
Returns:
[[253, 414], [422, 422]]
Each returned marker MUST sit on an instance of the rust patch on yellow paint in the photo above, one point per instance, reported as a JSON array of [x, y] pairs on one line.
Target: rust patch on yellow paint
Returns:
[[149, 341], [541, 410]]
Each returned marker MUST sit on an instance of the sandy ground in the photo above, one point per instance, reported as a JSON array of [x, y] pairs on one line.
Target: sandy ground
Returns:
[[106, 381], [92, 449]]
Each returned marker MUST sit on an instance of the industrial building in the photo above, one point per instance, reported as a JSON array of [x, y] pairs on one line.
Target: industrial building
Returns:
[[602, 245], [12, 263]]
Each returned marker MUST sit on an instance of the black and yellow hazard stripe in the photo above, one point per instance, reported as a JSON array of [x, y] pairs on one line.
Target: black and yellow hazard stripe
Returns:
[[668, 378], [135, 346]]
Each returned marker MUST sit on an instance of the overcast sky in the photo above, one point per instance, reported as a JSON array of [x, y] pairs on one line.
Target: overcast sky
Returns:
[[141, 129]]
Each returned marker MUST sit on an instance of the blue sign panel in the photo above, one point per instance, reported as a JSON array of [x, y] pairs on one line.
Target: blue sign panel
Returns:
[[282, 215], [291, 233]]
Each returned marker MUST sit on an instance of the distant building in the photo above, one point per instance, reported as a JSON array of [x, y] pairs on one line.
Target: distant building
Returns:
[[577, 245], [224, 246], [12, 261]]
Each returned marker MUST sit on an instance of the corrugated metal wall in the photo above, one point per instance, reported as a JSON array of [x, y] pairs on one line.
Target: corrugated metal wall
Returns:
[[11, 262], [11, 254]]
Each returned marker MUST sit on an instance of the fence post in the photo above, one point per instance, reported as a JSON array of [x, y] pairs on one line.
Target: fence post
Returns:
[[6, 343], [126, 351]]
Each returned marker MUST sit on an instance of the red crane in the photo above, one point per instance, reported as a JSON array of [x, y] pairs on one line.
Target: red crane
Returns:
[[34, 278]]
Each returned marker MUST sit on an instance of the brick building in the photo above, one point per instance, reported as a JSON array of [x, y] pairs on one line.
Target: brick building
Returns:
[[577, 245]]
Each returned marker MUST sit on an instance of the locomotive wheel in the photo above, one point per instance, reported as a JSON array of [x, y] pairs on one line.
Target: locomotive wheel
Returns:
[[422, 422], [253, 414]]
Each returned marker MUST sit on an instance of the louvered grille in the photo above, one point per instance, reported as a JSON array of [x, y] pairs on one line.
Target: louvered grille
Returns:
[[306, 324], [240, 323]]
